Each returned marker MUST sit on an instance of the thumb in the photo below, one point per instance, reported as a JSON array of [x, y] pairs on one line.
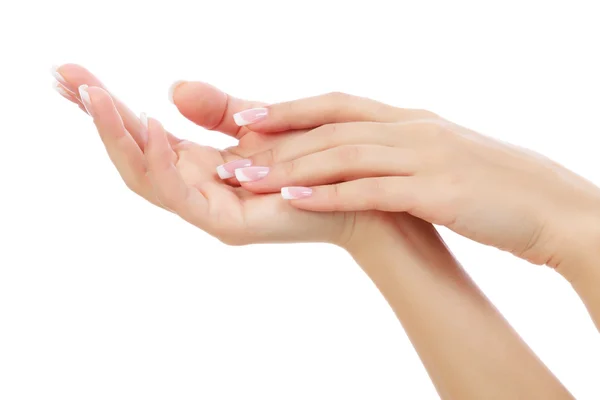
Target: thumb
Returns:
[[209, 107], [329, 108]]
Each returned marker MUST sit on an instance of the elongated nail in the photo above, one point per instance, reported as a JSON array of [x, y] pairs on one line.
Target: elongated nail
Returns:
[[85, 98], [144, 131], [250, 116], [251, 174], [295, 192], [226, 171], [61, 90], [174, 86], [57, 75]]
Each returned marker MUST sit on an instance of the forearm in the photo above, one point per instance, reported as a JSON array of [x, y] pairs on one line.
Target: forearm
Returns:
[[467, 347]]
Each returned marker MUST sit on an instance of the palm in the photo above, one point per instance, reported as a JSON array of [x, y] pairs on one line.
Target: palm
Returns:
[[238, 214]]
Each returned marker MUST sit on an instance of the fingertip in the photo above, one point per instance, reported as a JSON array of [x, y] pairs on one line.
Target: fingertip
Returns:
[[223, 173], [55, 71], [97, 101], [296, 192], [98, 92], [144, 130], [157, 136], [173, 88], [70, 74], [250, 116], [200, 102], [151, 128], [64, 92]]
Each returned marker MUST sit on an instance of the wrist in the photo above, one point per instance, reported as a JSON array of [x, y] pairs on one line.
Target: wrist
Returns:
[[368, 231], [580, 256], [383, 240]]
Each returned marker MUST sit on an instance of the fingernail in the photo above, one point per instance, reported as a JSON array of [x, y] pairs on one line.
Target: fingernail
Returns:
[[57, 75], [250, 116], [295, 192], [226, 171], [174, 86], [85, 98], [60, 89], [251, 174], [144, 131]]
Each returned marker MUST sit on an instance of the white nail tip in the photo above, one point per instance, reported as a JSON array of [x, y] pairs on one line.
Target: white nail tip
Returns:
[[57, 75], [144, 120], [223, 173], [239, 174], [85, 98], [285, 193], [60, 89], [239, 120], [174, 86]]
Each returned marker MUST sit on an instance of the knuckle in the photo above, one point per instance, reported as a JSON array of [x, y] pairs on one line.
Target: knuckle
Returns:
[[266, 157], [374, 191], [328, 129], [325, 134], [338, 97], [335, 196], [269, 157], [424, 114], [433, 129], [348, 154], [289, 167]]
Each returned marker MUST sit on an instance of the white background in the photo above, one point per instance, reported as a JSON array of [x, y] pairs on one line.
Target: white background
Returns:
[[103, 296]]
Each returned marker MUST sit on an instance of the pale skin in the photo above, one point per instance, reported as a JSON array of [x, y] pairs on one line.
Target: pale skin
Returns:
[[468, 348], [489, 191]]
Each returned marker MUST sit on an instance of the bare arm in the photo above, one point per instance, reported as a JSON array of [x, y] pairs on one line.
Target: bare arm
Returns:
[[584, 272], [469, 350]]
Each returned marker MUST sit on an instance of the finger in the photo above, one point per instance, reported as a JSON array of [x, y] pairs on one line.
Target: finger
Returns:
[[334, 165], [320, 110], [71, 76], [67, 94], [167, 183], [393, 194], [209, 107], [120, 146], [405, 134]]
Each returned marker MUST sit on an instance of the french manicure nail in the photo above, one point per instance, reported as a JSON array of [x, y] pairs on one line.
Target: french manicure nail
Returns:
[[295, 192], [251, 174], [85, 98], [144, 131], [60, 89], [226, 171], [57, 75], [174, 86], [250, 116]]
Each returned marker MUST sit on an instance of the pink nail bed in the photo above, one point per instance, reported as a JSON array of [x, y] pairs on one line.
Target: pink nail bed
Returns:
[[250, 116], [226, 171], [296, 192]]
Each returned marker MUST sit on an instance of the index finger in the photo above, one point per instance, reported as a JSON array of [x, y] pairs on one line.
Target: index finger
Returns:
[[329, 108]]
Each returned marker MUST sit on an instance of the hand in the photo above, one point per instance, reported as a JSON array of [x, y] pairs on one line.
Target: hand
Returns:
[[489, 191], [181, 176]]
